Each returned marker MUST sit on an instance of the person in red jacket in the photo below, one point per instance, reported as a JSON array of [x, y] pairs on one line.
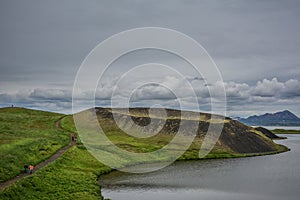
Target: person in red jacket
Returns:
[[31, 168]]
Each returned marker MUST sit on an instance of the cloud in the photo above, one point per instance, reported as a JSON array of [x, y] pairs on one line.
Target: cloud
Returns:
[[152, 91], [51, 94], [237, 90], [267, 94], [292, 89], [43, 45], [277, 89], [57, 100], [243, 39], [268, 88]]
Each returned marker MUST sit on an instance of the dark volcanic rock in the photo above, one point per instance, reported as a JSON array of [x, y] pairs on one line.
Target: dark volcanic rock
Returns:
[[267, 133], [242, 139]]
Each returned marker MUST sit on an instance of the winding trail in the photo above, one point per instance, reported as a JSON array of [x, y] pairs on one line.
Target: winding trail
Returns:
[[44, 163]]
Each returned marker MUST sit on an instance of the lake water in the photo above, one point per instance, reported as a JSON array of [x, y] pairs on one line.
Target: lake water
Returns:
[[272, 177]]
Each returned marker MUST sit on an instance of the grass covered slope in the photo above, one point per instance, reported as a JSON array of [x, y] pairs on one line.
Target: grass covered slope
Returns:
[[235, 140], [27, 137], [283, 131], [235, 137], [72, 176]]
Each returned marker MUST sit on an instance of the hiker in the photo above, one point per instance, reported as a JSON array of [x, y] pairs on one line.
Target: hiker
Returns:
[[25, 168], [73, 138], [31, 168]]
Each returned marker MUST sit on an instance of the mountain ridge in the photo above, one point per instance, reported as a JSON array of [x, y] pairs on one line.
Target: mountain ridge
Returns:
[[281, 118]]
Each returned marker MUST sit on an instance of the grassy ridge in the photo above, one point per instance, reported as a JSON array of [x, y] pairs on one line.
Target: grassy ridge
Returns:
[[27, 136], [72, 176], [283, 131]]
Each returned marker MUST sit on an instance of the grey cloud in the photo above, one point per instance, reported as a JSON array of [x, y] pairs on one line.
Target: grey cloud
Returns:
[[275, 88], [238, 94], [196, 78], [292, 88], [268, 88], [265, 92], [51, 94], [153, 92], [44, 42], [56, 100], [237, 90], [48, 40]]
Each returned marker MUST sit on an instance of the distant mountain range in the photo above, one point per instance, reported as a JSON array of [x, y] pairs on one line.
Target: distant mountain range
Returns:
[[284, 118]]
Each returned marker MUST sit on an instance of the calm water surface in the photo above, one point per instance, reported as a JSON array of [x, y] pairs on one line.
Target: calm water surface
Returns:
[[273, 177]]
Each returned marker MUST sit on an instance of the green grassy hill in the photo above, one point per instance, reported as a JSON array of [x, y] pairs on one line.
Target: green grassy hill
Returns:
[[30, 136], [27, 137], [236, 138]]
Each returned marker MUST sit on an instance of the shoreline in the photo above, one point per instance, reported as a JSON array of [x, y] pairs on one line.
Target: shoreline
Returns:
[[285, 131], [282, 149]]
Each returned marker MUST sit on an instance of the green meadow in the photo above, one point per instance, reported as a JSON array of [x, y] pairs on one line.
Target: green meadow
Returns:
[[27, 137]]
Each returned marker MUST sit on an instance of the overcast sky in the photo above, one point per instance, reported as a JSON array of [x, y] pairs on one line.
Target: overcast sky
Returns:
[[255, 44]]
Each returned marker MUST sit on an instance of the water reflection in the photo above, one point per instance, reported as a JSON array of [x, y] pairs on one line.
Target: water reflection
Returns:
[[267, 177]]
